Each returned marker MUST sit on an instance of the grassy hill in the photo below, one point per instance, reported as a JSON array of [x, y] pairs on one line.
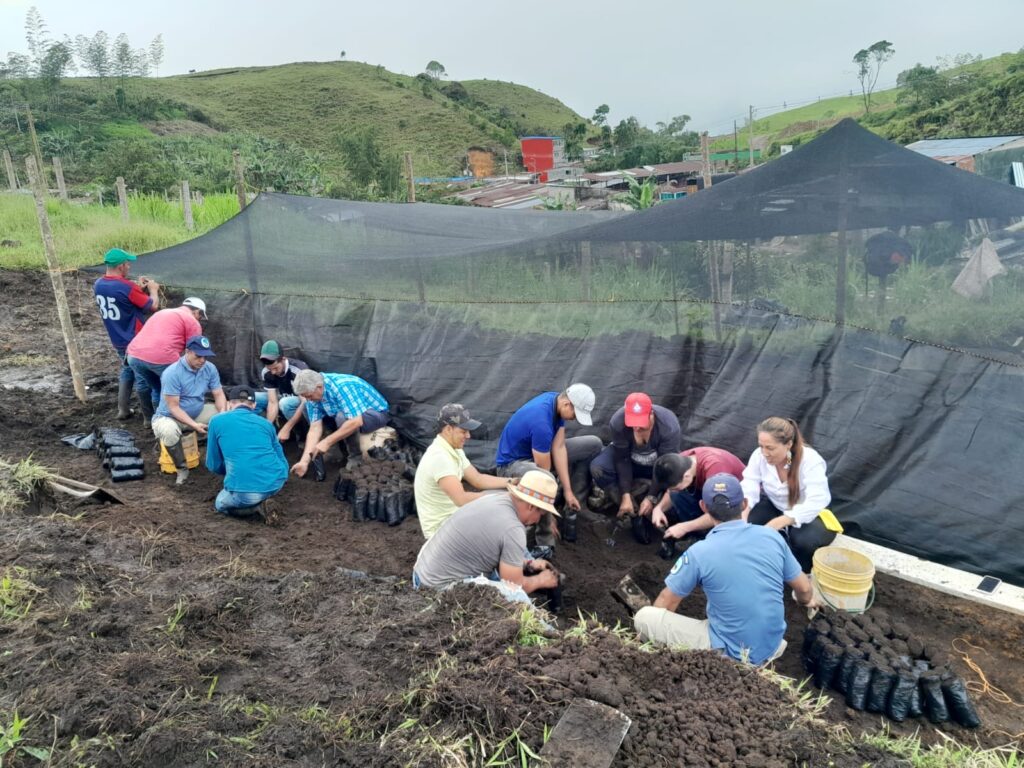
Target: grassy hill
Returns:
[[805, 121], [535, 112], [301, 111]]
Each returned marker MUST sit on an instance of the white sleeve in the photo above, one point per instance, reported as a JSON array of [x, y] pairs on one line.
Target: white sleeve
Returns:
[[751, 482], [814, 492]]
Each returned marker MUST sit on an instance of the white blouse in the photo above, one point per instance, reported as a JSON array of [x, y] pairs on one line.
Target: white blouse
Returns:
[[760, 476]]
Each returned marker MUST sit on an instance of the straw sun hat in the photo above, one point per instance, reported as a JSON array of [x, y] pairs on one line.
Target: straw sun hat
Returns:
[[539, 488]]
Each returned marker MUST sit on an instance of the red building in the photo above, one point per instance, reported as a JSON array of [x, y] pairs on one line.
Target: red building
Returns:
[[542, 153]]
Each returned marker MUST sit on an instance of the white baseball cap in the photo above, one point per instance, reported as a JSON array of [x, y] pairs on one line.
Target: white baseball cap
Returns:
[[582, 398], [195, 303]]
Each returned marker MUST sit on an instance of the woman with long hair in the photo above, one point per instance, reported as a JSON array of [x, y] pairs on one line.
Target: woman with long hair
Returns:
[[786, 489]]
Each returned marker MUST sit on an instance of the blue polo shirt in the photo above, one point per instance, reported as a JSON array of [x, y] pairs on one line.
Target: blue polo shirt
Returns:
[[243, 446], [189, 385], [742, 569], [531, 428]]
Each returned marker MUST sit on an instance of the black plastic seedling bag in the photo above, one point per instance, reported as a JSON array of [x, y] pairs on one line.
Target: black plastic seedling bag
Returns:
[[958, 701], [841, 680], [901, 696], [882, 681], [123, 475], [932, 700], [858, 685], [120, 463], [828, 664], [813, 657]]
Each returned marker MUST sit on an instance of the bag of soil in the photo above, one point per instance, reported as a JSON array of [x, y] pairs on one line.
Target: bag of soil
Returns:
[[858, 684], [371, 503], [124, 475], [882, 681], [360, 497], [120, 463], [828, 663], [932, 700], [813, 656], [393, 508], [121, 450], [857, 634], [915, 709], [901, 696], [841, 680], [643, 529], [958, 701]]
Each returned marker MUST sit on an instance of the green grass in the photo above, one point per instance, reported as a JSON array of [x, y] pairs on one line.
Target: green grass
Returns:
[[313, 104], [83, 233], [530, 108], [946, 754]]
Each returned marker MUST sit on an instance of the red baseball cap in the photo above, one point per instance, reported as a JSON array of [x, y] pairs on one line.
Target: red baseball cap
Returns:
[[638, 410]]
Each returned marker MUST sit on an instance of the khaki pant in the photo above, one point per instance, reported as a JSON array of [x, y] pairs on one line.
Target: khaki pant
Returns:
[[668, 628], [168, 430]]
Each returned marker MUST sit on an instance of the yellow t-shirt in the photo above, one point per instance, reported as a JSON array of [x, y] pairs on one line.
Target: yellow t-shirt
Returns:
[[433, 505]]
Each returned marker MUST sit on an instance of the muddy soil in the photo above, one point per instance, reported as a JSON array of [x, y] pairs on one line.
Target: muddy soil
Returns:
[[164, 634]]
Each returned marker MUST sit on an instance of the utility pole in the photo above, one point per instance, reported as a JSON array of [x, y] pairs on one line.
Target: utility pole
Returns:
[[751, 140], [410, 181], [506, 162], [57, 280], [239, 179], [705, 159]]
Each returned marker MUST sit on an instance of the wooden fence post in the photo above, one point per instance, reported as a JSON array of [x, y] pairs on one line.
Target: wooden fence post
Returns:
[[409, 178], [239, 179], [58, 171], [585, 269], [122, 198], [186, 204], [57, 280], [12, 179]]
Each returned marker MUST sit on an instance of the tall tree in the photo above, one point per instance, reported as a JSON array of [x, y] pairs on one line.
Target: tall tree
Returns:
[[600, 115], [122, 57], [38, 37], [58, 61], [674, 127], [869, 63], [94, 53], [626, 134], [573, 134], [435, 69], [156, 53]]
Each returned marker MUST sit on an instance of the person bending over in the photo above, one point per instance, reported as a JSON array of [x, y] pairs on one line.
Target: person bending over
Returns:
[[534, 438], [674, 501], [487, 537], [357, 405], [786, 487], [742, 569], [440, 474], [243, 446]]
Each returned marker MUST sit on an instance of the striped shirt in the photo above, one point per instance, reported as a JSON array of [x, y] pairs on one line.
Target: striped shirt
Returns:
[[347, 395]]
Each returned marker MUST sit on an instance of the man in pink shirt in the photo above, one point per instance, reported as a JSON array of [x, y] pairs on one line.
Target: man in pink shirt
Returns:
[[158, 345], [678, 479]]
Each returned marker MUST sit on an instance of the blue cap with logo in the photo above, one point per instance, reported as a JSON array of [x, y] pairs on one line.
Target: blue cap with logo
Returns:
[[725, 488], [200, 345]]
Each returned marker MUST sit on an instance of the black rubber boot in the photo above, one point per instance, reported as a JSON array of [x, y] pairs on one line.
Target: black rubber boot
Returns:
[[124, 399], [146, 406], [177, 454]]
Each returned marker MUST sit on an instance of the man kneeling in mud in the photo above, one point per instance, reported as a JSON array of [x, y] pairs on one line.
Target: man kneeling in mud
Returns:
[[485, 541]]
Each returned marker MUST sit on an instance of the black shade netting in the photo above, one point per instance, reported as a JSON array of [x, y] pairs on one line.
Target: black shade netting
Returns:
[[914, 403]]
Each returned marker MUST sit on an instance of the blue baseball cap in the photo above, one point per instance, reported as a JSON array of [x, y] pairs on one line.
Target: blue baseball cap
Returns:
[[722, 485], [200, 345]]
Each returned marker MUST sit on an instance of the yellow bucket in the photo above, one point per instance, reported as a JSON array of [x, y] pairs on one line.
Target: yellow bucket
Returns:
[[191, 447], [843, 579]]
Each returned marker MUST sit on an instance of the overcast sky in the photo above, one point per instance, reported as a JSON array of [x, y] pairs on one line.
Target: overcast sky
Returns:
[[652, 59]]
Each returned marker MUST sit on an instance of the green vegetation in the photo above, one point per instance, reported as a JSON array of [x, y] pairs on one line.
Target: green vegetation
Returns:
[[288, 122], [18, 482], [11, 739], [946, 754], [83, 233], [959, 96], [17, 593]]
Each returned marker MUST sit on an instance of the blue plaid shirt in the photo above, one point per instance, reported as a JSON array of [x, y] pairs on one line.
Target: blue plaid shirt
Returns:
[[348, 395]]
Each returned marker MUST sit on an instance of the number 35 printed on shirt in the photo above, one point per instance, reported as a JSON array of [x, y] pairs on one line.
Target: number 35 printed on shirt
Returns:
[[108, 308]]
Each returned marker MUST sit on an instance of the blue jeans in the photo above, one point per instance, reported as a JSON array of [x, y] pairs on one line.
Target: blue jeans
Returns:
[[126, 374], [286, 405], [685, 507], [147, 383], [239, 504], [602, 469]]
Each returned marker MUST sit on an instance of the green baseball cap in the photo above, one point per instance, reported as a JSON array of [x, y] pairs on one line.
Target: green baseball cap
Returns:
[[116, 256], [270, 350]]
